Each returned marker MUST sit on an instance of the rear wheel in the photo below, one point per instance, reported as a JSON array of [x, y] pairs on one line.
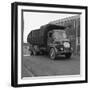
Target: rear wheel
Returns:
[[34, 53], [52, 54], [68, 55], [31, 53]]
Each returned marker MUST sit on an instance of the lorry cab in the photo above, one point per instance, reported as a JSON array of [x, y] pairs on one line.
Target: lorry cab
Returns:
[[58, 44]]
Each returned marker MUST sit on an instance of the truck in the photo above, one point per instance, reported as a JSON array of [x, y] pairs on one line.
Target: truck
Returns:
[[50, 39]]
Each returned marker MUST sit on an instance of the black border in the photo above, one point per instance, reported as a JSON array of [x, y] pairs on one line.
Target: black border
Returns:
[[14, 43]]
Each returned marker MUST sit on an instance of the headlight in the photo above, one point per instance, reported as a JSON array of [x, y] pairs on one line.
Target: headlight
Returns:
[[66, 44], [61, 49]]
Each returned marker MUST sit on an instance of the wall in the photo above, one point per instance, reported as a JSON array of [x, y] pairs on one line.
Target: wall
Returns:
[[5, 46]]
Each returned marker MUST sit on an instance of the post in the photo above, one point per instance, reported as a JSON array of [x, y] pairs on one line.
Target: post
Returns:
[[76, 27]]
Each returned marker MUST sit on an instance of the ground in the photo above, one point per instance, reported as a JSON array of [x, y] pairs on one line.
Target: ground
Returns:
[[33, 66]]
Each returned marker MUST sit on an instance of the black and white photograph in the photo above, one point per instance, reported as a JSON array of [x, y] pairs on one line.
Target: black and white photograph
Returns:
[[51, 42]]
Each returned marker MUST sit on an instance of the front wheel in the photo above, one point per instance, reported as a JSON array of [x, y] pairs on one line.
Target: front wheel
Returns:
[[68, 55], [52, 54]]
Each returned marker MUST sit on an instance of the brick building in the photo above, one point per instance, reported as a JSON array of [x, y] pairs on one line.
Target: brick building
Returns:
[[72, 25]]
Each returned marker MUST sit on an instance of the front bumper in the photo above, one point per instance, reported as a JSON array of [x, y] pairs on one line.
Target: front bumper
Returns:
[[64, 51]]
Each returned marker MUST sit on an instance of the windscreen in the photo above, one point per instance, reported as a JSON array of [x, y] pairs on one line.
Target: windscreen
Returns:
[[59, 34]]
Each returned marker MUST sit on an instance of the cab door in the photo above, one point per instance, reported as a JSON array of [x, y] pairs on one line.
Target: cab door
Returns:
[[50, 38]]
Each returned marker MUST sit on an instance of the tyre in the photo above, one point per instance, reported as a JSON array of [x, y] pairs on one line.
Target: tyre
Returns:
[[34, 53], [52, 54], [31, 53], [68, 55]]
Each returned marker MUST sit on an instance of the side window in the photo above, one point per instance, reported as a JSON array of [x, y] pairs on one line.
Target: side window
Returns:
[[50, 34]]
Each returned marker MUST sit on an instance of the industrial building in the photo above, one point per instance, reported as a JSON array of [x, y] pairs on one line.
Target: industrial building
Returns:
[[72, 25]]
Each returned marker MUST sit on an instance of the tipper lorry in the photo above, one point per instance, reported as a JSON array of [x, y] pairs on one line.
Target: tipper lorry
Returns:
[[50, 39]]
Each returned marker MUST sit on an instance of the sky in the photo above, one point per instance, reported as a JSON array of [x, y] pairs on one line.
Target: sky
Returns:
[[34, 20]]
